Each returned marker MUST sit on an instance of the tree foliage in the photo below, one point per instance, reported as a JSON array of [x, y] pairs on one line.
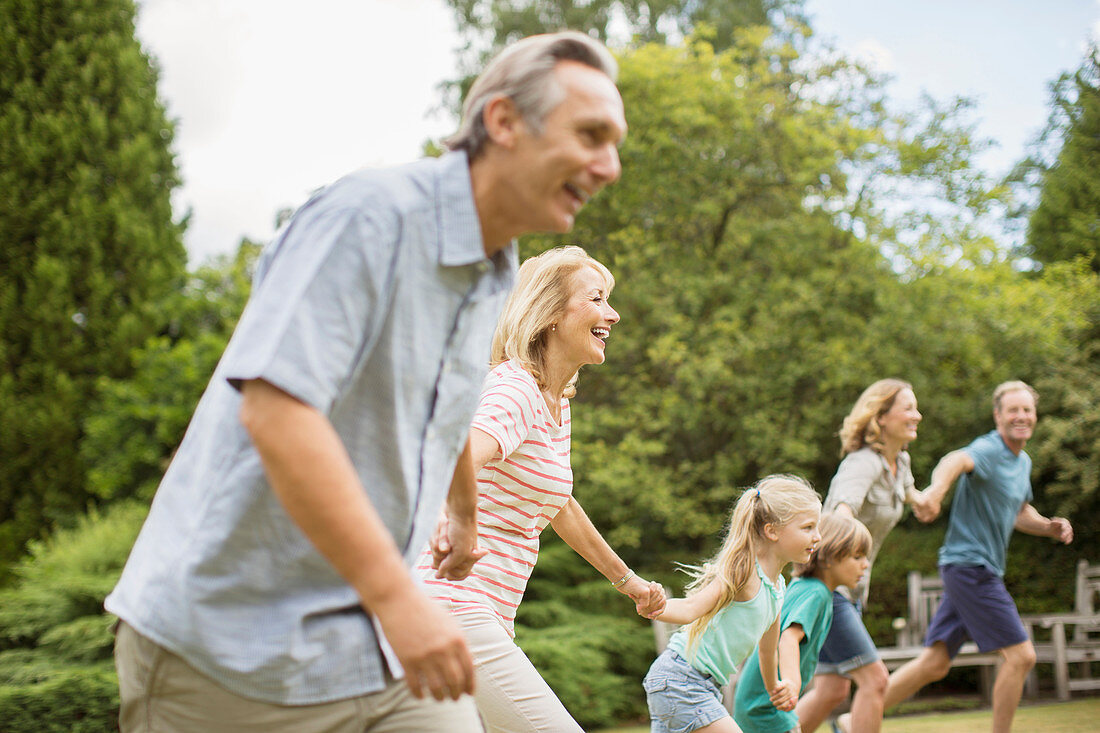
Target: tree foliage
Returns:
[[1066, 222], [130, 439], [56, 670], [749, 238], [489, 25], [89, 244], [645, 21], [753, 313]]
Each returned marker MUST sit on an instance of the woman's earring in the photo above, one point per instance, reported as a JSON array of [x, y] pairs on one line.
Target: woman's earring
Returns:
[[553, 327]]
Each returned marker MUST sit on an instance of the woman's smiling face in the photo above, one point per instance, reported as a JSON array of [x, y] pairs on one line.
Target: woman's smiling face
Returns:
[[579, 334]]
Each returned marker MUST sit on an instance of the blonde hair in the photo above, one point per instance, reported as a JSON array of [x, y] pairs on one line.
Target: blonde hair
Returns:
[[542, 291], [1013, 386], [841, 536], [774, 500], [861, 426]]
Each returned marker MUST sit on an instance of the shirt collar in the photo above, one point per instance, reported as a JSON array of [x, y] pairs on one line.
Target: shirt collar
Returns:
[[460, 240]]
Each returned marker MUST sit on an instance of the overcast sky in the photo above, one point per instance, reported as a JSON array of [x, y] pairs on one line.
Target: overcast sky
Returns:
[[274, 98]]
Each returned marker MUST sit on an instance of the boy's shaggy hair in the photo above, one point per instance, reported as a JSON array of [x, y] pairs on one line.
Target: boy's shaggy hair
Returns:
[[841, 536]]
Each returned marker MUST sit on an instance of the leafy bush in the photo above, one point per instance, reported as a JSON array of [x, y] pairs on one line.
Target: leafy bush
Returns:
[[584, 638], [56, 671]]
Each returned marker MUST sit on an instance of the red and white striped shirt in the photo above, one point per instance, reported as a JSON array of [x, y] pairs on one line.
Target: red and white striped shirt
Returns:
[[519, 492]]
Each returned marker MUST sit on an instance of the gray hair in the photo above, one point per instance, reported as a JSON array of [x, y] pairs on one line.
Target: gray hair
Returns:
[[523, 72]]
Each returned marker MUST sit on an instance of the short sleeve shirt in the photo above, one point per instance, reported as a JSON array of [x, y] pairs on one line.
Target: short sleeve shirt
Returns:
[[733, 631], [519, 493], [808, 603], [876, 495], [375, 306], [986, 503]]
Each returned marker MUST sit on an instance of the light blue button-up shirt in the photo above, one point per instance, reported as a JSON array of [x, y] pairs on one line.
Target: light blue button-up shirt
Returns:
[[376, 305]]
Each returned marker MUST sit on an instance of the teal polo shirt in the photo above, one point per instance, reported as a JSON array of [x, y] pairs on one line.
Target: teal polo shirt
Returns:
[[987, 501], [808, 603]]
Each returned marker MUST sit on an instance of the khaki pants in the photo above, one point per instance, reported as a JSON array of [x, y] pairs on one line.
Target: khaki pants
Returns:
[[511, 695], [161, 692]]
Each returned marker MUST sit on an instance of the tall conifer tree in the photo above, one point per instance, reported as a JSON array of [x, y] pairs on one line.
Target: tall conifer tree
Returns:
[[87, 240], [1066, 223]]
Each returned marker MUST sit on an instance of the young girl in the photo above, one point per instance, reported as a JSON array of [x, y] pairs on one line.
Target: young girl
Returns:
[[733, 601], [841, 559]]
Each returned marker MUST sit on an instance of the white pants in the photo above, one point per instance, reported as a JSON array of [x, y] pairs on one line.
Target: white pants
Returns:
[[511, 695]]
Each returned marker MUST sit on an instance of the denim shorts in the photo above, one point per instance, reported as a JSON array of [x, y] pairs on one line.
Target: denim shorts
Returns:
[[976, 605], [680, 697], [848, 645]]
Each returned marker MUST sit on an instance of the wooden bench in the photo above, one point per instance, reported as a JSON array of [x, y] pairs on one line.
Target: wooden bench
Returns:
[[1079, 648], [1074, 642]]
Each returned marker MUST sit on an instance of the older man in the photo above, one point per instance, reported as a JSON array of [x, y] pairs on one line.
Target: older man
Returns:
[[268, 589], [993, 498]]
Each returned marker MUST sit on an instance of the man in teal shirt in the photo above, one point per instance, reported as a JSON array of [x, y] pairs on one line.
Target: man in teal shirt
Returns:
[[993, 498]]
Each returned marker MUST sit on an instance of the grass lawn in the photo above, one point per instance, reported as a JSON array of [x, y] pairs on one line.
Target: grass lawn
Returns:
[[1075, 716]]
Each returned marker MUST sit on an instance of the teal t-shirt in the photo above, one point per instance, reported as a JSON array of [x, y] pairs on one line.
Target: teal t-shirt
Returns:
[[987, 501], [808, 603], [732, 633]]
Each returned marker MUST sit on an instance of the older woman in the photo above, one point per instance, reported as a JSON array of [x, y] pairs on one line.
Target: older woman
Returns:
[[873, 483], [556, 320]]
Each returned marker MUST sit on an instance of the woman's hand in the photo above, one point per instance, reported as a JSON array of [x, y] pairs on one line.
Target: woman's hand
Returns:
[[454, 548], [925, 507], [648, 596]]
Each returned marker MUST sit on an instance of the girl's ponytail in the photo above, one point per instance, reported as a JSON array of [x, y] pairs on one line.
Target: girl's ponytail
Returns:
[[775, 500]]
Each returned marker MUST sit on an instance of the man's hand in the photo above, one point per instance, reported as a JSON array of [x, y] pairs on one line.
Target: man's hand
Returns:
[[925, 507], [783, 695], [1061, 530], [454, 548], [428, 643], [649, 597]]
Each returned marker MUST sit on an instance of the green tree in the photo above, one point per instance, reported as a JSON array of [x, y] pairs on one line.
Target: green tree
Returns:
[[141, 419], [488, 25], [1066, 222], [87, 240], [56, 671], [763, 281], [1067, 454], [646, 21]]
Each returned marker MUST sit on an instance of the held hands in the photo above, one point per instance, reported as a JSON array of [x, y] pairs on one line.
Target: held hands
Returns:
[[783, 695], [925, 507], [436, 663], [648, 596], [454, 547]]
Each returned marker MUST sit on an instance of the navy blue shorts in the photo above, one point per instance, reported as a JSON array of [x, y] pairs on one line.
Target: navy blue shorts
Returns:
[[976, 605], [848, 645]]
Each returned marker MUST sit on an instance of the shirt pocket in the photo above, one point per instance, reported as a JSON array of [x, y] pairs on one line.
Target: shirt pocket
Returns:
[[881, 509], [881, 496]]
